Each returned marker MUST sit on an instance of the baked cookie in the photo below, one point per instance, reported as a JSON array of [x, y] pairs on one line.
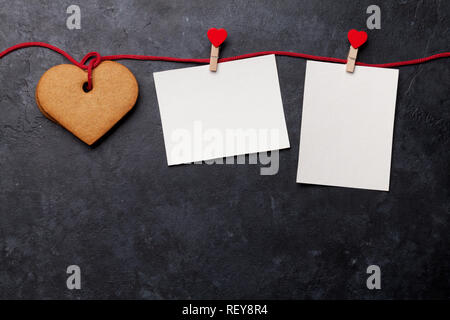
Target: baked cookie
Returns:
[[88, 115]]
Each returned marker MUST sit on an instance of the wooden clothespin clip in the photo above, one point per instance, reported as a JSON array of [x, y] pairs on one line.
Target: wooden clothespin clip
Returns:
[[357, 39], [217, 37]]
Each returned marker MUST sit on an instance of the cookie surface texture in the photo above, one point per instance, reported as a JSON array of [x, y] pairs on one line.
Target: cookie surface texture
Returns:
[[88, 115]]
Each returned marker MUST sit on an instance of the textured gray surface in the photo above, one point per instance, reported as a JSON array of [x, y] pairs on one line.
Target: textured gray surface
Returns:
[[139, 229]]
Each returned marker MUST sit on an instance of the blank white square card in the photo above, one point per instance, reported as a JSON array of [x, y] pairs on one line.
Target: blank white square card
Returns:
[[347, 126], [207, 115]]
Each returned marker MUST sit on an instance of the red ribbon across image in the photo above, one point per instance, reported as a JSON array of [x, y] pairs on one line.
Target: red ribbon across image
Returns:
[[97, 58]]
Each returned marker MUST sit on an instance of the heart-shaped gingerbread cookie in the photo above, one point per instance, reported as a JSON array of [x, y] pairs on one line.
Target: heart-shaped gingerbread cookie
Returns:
[[88, 115]]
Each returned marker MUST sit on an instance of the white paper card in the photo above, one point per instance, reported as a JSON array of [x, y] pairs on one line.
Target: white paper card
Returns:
[[347, 126], [207, 115]]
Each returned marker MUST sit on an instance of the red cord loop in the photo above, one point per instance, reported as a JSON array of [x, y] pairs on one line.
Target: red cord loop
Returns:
[[97, 60], [92, 65]]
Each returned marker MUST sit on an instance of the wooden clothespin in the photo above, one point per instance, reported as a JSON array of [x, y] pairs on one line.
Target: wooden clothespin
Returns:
[[357, 39], [217, 37]]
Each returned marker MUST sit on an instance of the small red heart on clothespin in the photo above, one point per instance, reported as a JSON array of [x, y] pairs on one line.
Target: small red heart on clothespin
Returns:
[[357, 38], [217, 36]]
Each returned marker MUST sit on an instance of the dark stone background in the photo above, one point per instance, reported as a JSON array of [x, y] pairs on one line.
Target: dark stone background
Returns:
[[139, 229]]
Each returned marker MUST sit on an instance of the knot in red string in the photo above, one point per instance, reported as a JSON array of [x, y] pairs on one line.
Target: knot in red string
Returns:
[[92, 65]]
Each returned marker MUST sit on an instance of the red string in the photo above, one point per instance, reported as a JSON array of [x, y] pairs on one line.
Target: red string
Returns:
[[95, 62], [98, 58]]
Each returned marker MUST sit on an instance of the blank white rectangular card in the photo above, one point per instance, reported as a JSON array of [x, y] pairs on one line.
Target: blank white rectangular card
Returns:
[[207, 115], [347, 126]]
